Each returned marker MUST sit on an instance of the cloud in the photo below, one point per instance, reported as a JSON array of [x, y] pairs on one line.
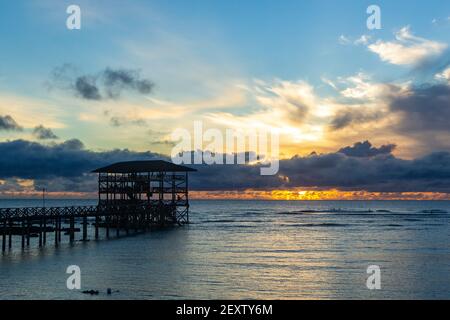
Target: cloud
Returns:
[[423, 108], [15, 185], [360, 86], [344, 40], [293, 98], [407, 49], [350, 116], [277, 104], [290, 108], [414, 114], [31, 160], [380, 172], [365, 149], [329, 82], [362, 101], [117, 121], [363, 40], [43, 133], [86, 88], [29, 111], [106, 84], [66, 167], [117, 80], [444, 75], [167, 143], [7, 123]]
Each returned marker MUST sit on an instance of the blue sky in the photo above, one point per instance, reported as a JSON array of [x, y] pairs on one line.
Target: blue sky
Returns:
[[311, 69], [286, 39]]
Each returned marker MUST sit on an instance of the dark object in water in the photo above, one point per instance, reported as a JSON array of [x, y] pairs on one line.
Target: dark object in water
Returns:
[[108, 291], [91, 292]]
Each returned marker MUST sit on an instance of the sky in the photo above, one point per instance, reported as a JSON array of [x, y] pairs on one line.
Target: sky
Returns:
[[361, 113]]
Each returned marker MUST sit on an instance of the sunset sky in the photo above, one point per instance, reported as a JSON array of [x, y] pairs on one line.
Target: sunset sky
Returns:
[[363, 114]]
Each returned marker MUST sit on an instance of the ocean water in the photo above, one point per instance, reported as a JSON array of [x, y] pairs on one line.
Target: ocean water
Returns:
[[251, 250]]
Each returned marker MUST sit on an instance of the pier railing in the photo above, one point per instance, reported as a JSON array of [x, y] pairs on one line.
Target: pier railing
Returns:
[[19, 214], [25, 213]]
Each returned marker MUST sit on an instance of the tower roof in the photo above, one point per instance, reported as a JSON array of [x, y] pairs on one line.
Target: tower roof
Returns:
[[143, 166]]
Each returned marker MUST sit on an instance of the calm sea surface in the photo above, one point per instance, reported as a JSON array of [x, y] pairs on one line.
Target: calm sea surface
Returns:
[[251, 249]]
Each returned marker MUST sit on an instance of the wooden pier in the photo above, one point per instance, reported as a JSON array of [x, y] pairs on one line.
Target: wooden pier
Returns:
[[132, 197]]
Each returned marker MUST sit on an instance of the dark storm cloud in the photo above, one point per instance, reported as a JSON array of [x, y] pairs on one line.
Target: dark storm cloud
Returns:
[[117, 80], [348, 117], [382, 173], [69, 159], [86, 88], [66, 166], [106, 84], [365, 149], [425, 108], [43, 133], [360, 167], [420, 113], [87, 183], [7, 123]]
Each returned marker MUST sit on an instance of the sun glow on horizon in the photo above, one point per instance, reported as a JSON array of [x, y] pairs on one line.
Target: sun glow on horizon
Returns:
[[316, 195], [250, 194]]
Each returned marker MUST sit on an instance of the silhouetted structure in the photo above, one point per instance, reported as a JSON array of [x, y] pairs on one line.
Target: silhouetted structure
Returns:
[[158, 184], [132, 195]]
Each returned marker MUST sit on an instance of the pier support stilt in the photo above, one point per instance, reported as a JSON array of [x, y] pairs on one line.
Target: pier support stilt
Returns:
[[23, 234], [56, 231], [72, 229], [117, 226], [44, 238], [40, 232], [4, 237], [28, 231], [59, 229], [96, 227], [10, 235], [84, 228], [107, 226]]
